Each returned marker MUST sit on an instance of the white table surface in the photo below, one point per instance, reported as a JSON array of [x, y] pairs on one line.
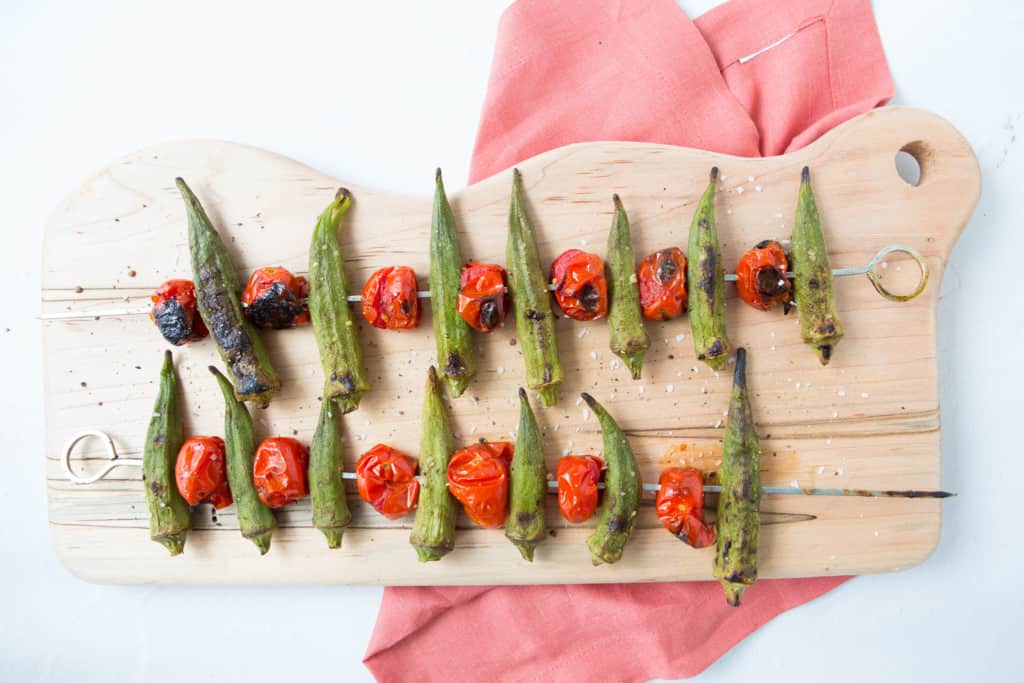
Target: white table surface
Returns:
[[343, 87]]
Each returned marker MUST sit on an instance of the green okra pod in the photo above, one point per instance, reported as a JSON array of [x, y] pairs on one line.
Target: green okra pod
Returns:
[[334, 324], [433, 531], [531, 302], [705, 282], [218, 295], [739, 504], [524, 525], [812, 284], [455, 352], [169, 517], [255, 520], [627, 335], [326, 485], [622, 489]]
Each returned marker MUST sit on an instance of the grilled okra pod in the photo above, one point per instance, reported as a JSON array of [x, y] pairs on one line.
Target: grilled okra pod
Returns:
[[433, 531], [627, 336], [218, 292], [455, 352], [705, 280], [535, 321], [525, 523], [739, 503], [169, 518], [334, 324], [812, 285], [622, 489], [326, 485], [255, 520]]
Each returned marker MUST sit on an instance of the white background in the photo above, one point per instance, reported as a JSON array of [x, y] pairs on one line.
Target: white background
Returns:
[[379, 94]]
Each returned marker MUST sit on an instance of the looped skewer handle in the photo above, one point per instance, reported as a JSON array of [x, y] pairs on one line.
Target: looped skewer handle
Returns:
[[876, 280], [111, 464]]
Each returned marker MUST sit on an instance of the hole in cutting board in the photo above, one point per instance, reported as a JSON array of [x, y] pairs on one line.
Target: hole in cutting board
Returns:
[[909, 162]]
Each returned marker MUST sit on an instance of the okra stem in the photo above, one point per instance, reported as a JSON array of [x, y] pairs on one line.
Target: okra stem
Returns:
[[255, 520], [531, 303], [739, 503], [433, 531], [334, 324], [326, 483], [169, 518], [705, 282], [525, 523], [455, 351], [627, 335]]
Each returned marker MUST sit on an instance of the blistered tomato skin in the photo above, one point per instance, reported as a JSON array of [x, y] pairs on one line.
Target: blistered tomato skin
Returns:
[[761, 276], [483, 296], [175, 312], [581, 289], [276, 299], [478, 477], [390, 300], [280, 471], [578, 477], [201, 472], [662, 280], [386, 479], [680, 506]]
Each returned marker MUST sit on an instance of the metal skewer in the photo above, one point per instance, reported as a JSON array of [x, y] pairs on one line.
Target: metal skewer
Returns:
[[868, 270]]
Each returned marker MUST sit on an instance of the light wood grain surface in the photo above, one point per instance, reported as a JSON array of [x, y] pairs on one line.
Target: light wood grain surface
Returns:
[[869, 419]]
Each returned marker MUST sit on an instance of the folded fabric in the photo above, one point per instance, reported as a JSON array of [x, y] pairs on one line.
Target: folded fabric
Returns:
[[750, 78]]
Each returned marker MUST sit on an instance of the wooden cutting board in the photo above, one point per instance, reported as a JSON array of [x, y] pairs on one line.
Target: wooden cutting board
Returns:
[[870, 419]]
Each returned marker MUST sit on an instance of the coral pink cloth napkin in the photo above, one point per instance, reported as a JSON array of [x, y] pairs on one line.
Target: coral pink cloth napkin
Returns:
[[751, 77]]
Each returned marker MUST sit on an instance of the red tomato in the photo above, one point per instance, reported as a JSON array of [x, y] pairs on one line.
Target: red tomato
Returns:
[[201, 472], [680, 505], [279, 471], [578, 476], [390, 299], [175, 312], [761, 276], [662, 280], [276, 299], [580, 286], [386, 479], [483, 296], [478, 478]]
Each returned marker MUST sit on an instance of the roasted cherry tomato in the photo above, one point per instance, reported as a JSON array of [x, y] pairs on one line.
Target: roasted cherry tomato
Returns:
[[680, 505], [386, 479], [578, 476], [580, 286], [279, 471], [201, 472], [662, 280], [761, 276], [390, 299], [478, 478], [276, 299], [483, 296], [175, 312]]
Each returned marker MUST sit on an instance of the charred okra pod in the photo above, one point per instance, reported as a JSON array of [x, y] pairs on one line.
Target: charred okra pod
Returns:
[[627, 336], [705, 278], [455, 352], [218, 293], [812, 284], [525, 523], [255, 520], [326, 485], [535, 322], [739, 503], [622, 489], [169, 518], [433, 531], [334, 324]]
